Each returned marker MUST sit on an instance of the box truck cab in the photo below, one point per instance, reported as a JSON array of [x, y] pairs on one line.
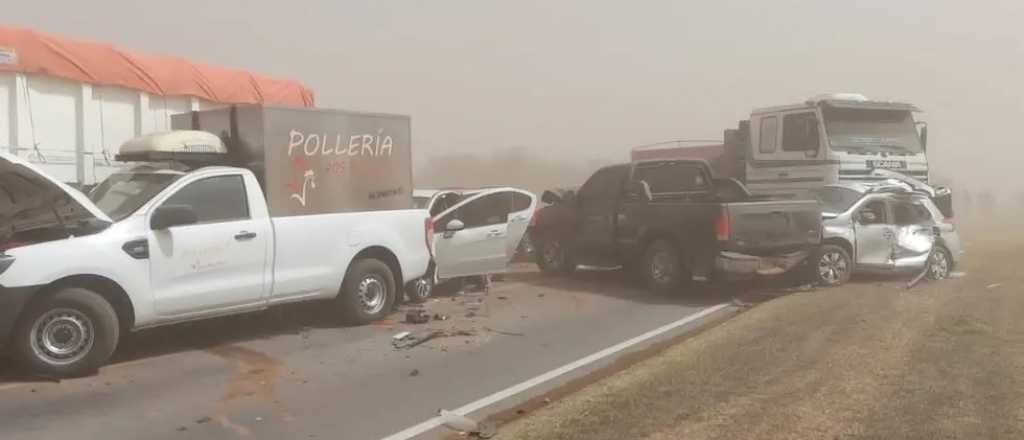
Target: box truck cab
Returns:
[[831, 139], [169, 240]]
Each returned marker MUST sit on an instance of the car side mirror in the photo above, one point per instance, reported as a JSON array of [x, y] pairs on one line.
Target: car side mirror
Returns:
[[172, 215], [453, 226], [639, 190]]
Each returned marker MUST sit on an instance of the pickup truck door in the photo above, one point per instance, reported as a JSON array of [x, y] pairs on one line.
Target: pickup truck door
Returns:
[[480, 246], [598, 200], [219, 262], [874, 233]]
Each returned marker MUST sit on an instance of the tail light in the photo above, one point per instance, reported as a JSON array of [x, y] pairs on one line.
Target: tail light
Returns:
[[533, 218], [722, 226], [428, 234]]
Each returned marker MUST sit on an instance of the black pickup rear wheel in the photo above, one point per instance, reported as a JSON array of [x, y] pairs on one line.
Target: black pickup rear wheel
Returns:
[[663, 268]]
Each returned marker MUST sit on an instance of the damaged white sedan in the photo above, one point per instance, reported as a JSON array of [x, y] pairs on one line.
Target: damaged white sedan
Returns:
[[893, 225]]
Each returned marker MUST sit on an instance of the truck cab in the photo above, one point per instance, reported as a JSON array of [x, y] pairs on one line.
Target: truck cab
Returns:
[[789, 150], [831, 139]]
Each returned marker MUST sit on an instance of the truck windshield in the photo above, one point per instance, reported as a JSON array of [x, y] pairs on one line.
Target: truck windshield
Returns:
[[871, 130], [121, 194], [836, 200]]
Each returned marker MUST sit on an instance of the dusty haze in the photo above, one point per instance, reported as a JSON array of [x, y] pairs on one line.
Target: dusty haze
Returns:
[[576, 82]]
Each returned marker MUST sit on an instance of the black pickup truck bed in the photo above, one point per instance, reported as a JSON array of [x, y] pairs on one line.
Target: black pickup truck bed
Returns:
[[672, 222]]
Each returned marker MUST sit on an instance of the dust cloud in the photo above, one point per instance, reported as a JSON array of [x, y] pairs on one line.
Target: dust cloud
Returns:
[[517, 167]]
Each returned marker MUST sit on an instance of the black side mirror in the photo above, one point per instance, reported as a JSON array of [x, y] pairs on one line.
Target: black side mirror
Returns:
[[639, 190], [550, 198], [172, 215], [924, 136]]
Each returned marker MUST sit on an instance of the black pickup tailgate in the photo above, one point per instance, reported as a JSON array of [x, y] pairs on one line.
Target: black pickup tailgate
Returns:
[[769, 227]]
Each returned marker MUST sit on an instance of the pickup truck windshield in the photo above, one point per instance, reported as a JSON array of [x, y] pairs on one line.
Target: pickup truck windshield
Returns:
[[870, 130], [121, 194], [836, 200]]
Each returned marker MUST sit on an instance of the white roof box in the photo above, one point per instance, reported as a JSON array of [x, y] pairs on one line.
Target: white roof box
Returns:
[[178, 145]]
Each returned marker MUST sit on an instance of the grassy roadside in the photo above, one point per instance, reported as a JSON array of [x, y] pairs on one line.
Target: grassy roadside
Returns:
[[869, 360]]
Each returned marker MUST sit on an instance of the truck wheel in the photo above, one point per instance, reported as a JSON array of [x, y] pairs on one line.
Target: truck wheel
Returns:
[[420, 289], [553, 257], [832, 266], [940, 264], [71, 333], [663, 267], [368, 291]]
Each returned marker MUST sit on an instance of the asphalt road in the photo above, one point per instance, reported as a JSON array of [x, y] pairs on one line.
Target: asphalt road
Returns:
[[293, 373]]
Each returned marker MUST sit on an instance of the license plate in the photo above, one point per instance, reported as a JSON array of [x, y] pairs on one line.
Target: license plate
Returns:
[[888, 164]]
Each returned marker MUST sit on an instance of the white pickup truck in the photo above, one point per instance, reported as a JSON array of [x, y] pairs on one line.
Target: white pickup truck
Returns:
[[160, 243]]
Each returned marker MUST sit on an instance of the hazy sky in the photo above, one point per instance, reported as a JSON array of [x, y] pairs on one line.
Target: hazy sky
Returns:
[[589, 78]]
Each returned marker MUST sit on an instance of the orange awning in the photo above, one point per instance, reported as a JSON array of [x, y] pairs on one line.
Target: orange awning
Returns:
[[28, 51]]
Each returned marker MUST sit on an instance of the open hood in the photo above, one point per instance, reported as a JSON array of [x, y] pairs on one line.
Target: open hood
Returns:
[[31, 201], [917, 185], [942, 196]]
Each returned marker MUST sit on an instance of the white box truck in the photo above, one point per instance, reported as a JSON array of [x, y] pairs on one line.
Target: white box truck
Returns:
[[280, 205]]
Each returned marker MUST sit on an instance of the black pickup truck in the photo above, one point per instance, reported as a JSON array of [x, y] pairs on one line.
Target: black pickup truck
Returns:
[[671, 222]]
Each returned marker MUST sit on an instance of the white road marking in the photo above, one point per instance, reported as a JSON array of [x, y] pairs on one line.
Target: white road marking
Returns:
[[434, 422]]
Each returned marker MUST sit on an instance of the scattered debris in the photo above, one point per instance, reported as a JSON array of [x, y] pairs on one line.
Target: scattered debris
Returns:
[[383, 323], [417, 316], [540, 295], [409, 340], [955, 275], [182, 429], [500, 332], [401, 336], [259, 419], [918, 278], [460, 423], [414, 372], [440, 317], [547, 401], [470, 314], [993, 286], [502, 297], [203, 420]]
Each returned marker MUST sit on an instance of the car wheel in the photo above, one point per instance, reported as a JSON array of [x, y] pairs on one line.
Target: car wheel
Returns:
[[70, 333], [368, 291], [554, 257], [940, 264], [663, 267], [833, 266], [420, 289]]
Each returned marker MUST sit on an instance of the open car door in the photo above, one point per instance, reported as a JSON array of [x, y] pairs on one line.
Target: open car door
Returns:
[[470, 237], [488, 226], [524, 203]]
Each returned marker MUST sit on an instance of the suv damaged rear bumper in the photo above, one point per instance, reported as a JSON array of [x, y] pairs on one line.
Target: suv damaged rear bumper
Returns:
[[12, 301], [737, 264]]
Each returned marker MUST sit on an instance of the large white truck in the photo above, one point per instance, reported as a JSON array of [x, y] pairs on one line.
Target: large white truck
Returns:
[[789, 150], [66, 105], [281, 205]]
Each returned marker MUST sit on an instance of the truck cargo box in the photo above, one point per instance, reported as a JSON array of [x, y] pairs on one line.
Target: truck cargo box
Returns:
[[316, 161]]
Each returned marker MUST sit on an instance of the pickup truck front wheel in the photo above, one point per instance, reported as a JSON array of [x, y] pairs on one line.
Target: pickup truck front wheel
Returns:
[[663, 268], [72, 332], [553, 257], [368, 291]]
